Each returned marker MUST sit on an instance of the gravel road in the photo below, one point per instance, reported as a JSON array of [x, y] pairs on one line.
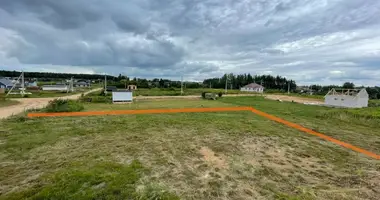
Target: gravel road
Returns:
[[32, 103]]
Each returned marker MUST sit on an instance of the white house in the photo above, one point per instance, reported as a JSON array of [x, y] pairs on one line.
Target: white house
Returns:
[[253, 87], [347, 98], [6, 83]]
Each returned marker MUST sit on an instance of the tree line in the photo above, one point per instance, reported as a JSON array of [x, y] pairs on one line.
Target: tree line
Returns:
[[373, 92], [234, 81], [49, 76]]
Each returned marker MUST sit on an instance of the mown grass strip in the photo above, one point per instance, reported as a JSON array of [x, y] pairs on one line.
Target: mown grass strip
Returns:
[[199, 110], [127, 112], [309, 131]]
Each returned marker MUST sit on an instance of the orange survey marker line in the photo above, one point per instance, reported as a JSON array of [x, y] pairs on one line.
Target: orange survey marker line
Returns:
[[127, 112], [199, 110], [309, 131]]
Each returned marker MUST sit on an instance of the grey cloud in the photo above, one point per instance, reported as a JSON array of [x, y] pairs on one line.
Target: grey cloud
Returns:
[[302, 39]]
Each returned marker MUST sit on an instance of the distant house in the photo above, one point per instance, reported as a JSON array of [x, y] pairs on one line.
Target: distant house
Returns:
[[347, 98], [132, 87], [6, 83], [31, 84], [82, 84], [58, 87], [253, 87]]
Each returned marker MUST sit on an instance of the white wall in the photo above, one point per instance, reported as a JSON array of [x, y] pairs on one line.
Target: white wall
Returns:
[[122, 96], [346, 101], [259, 90], [55, 88]]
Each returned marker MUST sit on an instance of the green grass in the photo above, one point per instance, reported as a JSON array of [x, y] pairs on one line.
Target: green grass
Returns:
[[227, 155], [7, 102], [158, 103], [177, 92]]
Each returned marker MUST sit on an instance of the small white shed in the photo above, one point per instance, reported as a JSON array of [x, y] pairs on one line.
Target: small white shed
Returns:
[[347, 98], [122, 96]]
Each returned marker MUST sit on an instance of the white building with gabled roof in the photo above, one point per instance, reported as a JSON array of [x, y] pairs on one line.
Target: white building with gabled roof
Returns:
[[253, 87], [347, 98]]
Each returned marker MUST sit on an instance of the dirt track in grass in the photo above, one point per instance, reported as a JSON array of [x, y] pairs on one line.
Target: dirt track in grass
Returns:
[[32, 103]]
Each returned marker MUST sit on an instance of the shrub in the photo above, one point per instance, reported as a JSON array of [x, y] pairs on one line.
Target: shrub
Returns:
[[220, 94], [373, 104], [204, 95], [210, 96], [64, 105], [102, 93]]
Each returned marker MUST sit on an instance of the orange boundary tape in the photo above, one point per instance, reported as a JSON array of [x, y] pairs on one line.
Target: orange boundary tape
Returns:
[[309, 131], [197, 110]]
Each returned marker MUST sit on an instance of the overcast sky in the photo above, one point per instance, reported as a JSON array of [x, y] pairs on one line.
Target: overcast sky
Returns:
[[310, 41]]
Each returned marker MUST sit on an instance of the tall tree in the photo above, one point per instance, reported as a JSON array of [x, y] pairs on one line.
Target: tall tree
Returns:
[[348, 85]]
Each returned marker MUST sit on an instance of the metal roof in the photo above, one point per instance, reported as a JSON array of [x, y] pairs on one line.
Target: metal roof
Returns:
[[253, 85], [82, 83], [6, 82]]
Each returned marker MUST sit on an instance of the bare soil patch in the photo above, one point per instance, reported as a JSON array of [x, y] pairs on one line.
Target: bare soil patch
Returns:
[[210, 157], [32, 103], [294, 99]]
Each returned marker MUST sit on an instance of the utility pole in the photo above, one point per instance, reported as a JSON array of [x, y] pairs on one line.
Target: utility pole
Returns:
[[22, 80], [22, 84], [182, 85], [105, 83], [183, 71], [226, 83]]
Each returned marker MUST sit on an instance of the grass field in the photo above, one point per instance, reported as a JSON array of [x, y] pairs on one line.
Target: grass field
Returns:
[[177, 92], [229, 155], [7, 102]]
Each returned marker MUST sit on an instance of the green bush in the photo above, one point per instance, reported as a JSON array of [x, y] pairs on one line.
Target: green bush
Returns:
[[102, 93], [64, 105], [210, 96], [220, 94], [374, 104], [204, 95]]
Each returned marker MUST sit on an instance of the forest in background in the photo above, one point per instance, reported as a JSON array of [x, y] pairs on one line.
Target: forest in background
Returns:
[[234, 81]]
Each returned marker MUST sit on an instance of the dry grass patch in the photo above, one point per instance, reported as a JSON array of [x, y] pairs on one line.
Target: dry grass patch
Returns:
[[190, 155]]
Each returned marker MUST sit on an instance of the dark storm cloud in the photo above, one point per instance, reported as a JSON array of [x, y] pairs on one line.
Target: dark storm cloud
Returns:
[[307, 40]]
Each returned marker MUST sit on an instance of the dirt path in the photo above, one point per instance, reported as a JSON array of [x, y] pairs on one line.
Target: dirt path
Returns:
[[304, 100], [33, 103]]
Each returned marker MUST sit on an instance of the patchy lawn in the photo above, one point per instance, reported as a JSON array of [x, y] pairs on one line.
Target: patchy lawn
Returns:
[[5, 103], [228, 155]]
